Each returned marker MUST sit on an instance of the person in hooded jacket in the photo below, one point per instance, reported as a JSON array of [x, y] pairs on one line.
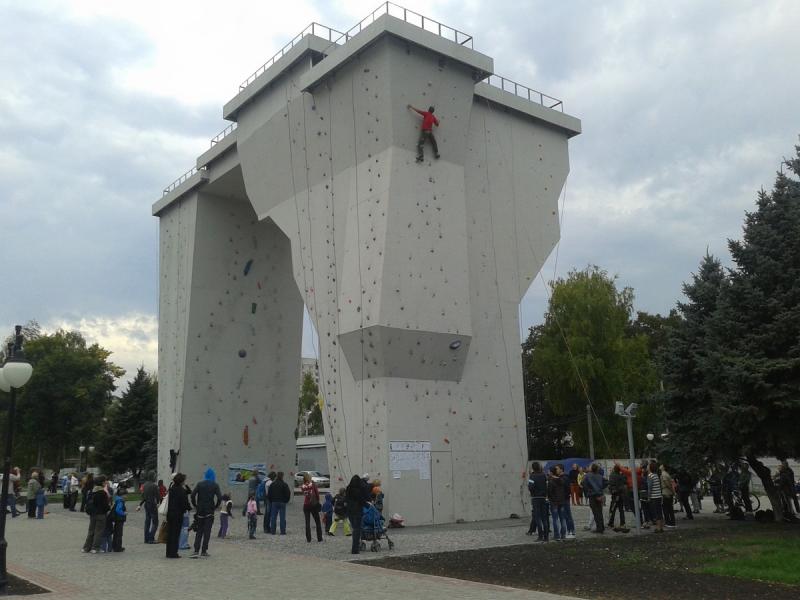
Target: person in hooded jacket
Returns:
[[177, 505], [357, 496], [206, 498], [97, 505]]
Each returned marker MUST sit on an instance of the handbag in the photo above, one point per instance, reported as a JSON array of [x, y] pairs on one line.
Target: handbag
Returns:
[[162, 508], [161, 536]]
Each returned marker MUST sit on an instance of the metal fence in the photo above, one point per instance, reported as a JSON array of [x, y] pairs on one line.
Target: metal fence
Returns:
[[180, 180], [221, 135], [409, 16], [523, 91], [316, 29]]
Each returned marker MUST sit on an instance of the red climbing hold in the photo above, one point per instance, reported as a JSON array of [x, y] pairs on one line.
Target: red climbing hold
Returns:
[[246, 436], [254, 421], [446, 441]]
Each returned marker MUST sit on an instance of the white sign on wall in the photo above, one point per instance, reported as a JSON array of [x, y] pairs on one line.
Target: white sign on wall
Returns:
[[410, 456]]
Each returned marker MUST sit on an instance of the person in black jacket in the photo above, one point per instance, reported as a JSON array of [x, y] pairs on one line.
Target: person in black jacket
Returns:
[[178, 504], [206, 499], [278, 495], [357, 495], [97, 506], [537, 485]]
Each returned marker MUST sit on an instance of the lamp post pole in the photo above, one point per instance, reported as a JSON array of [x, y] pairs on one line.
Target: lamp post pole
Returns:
[[634, 478], [14, 374]]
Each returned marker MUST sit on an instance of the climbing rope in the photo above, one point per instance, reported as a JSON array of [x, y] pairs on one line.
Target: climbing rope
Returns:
[[300, 241], [523, 451]]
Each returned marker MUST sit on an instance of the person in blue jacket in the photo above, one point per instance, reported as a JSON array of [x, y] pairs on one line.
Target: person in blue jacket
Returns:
[[119, 514]]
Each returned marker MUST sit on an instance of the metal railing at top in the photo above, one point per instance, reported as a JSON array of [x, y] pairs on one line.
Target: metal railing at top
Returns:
[[180, 180], [409, 16], [524, 91], [221, 135], [313, 29]]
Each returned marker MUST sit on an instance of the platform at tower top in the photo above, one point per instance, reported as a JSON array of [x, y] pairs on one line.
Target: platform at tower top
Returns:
[[329, 49]]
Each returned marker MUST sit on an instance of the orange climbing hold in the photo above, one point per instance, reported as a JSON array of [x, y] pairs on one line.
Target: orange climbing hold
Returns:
[[246, 436]]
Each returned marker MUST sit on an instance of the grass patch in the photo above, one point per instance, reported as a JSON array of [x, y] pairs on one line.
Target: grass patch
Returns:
[[757, 558]]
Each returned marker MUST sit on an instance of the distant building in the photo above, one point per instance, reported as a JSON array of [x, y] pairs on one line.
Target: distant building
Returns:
[[309, 365], [312, 454]]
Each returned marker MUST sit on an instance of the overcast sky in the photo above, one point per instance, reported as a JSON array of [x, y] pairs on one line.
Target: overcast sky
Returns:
[[687, 106]]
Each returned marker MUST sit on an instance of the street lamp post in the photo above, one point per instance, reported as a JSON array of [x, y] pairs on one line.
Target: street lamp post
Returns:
[[14, 374], [628, 414], [81, 449], [90, 450]]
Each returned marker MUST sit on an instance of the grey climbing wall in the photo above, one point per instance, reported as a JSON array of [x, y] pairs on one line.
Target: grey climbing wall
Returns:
[[238, 322], [411, 272]]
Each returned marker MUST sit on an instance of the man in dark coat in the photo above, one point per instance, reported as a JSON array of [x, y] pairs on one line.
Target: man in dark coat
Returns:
[[150, 499], [177, 505], [278, 495], [206, 498]]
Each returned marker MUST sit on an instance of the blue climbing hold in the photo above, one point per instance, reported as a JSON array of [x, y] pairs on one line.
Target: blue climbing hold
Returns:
[[247, 266]]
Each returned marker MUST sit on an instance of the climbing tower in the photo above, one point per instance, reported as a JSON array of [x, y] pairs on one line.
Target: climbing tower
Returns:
[[412, 273]]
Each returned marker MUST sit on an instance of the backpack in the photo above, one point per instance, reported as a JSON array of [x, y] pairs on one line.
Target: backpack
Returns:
[[261, 491], [340, 505], [120, 515], [89, 504]]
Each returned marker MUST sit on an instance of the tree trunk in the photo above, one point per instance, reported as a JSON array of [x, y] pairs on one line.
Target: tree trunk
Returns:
[[773, 492]]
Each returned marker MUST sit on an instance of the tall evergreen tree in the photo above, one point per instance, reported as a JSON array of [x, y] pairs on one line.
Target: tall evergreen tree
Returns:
[[757, 329], [128, 429], [689, 411]]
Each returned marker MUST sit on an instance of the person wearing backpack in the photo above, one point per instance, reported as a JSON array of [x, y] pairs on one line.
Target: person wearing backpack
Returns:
[[311, 506], [119, 515], [97, 507], [340, 513]]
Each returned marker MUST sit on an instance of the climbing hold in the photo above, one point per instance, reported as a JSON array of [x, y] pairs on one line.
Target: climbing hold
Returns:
[[446, 441], [247, 266], [242, 353], [246, 436], [253, 308]]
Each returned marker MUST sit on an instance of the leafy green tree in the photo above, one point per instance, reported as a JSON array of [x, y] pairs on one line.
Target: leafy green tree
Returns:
[[126, 438], [584, 354], [548, 434], [63, 404], [309, 401]]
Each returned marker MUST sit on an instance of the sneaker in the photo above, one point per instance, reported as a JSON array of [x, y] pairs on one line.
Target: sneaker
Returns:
[[419, 159], [437, 156], [571, 535], [330, 533], [625, 530], [205, 555], [670, 526], [93, 551], [194, 555]]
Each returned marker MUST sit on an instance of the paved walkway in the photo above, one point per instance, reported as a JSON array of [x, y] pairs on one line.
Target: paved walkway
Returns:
[[48, 553]]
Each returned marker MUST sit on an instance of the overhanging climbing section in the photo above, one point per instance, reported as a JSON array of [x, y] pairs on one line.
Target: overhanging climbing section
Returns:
[[412, 272]]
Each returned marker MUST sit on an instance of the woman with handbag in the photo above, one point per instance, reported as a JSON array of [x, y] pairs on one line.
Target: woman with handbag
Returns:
[[311, 506], [177, 505]]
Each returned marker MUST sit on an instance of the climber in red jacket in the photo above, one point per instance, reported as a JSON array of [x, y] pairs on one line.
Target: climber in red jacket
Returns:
[[428, 121]]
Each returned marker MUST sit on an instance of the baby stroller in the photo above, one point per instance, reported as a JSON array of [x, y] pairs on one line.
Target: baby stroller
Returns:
[[372, 529]]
